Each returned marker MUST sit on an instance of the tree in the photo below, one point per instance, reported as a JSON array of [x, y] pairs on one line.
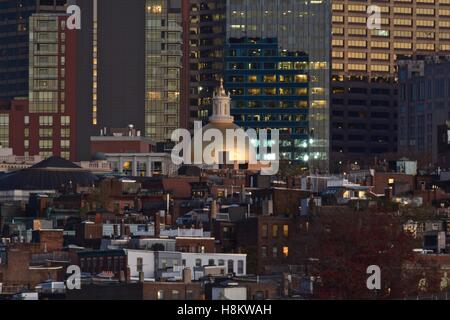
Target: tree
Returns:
[[344, 243]]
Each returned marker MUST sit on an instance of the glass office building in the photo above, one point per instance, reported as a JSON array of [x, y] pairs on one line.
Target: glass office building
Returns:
[[206, 55], [278, 73], [164, 39], [14, 15]]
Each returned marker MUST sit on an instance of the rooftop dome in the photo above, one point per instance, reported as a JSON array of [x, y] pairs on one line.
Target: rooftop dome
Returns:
[[50, 174], [222, 121]]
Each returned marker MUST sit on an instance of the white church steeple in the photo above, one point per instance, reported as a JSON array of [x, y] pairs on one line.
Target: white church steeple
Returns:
[[221, 106]]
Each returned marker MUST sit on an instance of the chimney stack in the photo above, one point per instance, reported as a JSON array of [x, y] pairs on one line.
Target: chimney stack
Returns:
[[214, 210], [187, 275], [157, 224]]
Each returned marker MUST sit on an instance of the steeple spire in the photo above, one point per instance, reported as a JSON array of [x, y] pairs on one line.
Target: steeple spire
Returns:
[[221, 105], [220, 91]]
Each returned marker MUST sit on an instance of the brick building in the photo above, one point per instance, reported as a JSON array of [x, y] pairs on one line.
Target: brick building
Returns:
[[99, 261], [16, 271], [195, 244], [139, 291], [265, 240]]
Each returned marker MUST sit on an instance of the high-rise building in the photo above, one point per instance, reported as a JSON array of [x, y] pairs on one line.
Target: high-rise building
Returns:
[[424, 104], [14, 28], [164, 61], [131, 69], [364, 91], [111, 69], [45, 124], [278, 72], [205, 41]]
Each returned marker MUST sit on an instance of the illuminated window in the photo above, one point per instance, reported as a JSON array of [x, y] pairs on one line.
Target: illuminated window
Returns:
[[275, 231], [357, 55], [154, 9], [425, 23], [286, 230]]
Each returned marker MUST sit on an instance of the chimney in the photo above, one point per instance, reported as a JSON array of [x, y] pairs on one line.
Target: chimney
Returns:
[[157, 224], [122, 276], [187, 275], [243, 194], [162, 214], [214, 210], [169, 220], [286, 284], [388, 192], [128, 275]]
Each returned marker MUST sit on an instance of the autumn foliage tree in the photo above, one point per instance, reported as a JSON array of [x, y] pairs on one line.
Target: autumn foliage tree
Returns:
[[345, 243]]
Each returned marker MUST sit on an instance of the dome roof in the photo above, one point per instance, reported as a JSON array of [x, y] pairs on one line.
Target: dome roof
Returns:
[[221, 120], [236, 152], [50, 174]]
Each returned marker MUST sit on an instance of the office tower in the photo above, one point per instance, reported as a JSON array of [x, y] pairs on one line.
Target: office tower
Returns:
[[424, 102], [131, 69], [204, 40], [111, 69], [278, 73], [14, 15], [164, 61], [364, 104], [45, 124]]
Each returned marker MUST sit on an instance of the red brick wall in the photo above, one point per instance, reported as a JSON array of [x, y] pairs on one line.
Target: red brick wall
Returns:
[[193, 245], [381, 180], [17, 271], [51, 239]]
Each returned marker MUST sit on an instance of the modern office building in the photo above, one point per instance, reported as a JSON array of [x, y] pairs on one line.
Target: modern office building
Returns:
[[278, 72], [164, 61], [424, 104], [14, 28], [204, 44], [364, 104], [111, 69], [271, 91]]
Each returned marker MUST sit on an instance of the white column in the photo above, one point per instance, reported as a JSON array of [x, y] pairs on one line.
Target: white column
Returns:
[[120, 165], [149, 167], [163, 166], [134, 167]]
